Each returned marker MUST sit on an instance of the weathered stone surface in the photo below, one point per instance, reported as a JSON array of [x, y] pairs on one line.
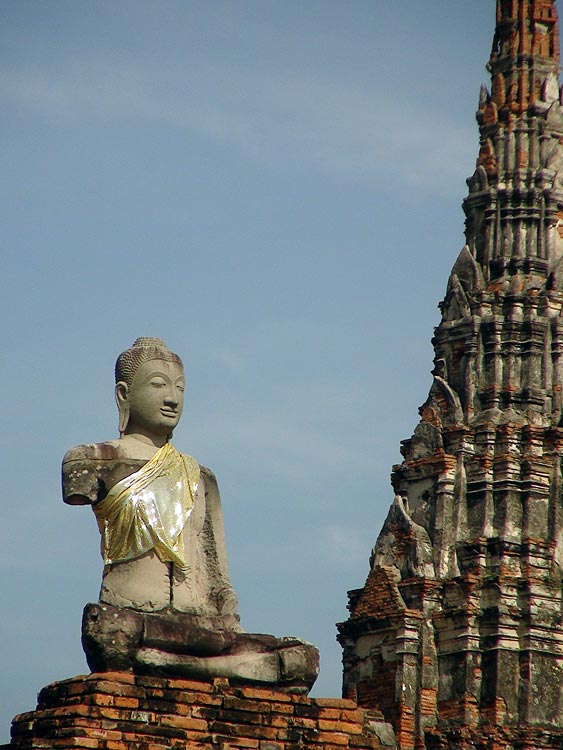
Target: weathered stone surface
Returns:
[[384, 732], [460, 616], [175, 643]]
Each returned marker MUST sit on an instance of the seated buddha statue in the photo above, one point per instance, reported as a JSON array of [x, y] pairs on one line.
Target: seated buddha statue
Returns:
[[167, 605]]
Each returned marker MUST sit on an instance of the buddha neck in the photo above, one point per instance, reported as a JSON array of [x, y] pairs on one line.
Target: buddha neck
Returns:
[[139, 446]]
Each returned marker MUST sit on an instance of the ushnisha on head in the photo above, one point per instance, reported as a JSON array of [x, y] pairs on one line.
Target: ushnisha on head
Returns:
[[149, 389]]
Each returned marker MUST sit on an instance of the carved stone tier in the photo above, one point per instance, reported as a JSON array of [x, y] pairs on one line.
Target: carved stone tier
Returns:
[[120, 711], [461, 610], [171, 643]]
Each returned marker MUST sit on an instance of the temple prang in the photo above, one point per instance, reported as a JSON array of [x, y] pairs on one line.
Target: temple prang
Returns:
[[457, 634]]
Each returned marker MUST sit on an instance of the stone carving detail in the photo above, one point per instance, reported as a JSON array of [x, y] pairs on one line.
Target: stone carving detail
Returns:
[[403, 544], [167, 605], [443, 406], [468, 271], [456, 304]]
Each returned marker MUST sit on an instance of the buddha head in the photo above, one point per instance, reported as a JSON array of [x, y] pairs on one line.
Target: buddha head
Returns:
[[149, 389]]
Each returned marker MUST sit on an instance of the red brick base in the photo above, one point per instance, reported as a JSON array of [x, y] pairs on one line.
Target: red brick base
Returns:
[[120, 711]]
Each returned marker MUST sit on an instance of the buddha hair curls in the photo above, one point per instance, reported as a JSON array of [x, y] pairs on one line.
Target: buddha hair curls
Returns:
[[143, 350]]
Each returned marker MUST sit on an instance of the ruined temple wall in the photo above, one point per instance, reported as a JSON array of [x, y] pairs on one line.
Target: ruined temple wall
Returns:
[[121, 711]]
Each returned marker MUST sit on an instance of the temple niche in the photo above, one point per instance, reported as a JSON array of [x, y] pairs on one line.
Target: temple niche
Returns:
[[461, 610]]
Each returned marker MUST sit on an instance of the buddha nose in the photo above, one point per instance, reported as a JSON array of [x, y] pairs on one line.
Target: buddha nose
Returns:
[[171, 398]]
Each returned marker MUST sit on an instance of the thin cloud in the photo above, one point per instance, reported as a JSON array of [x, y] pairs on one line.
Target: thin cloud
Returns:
[[343, 545], [229, 359], [273, 117], [294, 439]]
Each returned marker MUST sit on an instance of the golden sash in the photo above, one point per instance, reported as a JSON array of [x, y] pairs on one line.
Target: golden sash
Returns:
[[149, 509]]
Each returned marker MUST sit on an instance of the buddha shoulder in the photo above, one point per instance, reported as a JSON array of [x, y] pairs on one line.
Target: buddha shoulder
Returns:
[[107, 451], [90, 471]]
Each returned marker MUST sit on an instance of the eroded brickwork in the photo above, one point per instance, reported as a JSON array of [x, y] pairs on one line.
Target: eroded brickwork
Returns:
[[120, 711]]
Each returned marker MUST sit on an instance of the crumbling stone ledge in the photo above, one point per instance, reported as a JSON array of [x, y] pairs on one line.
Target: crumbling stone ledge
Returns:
[[122, 711]]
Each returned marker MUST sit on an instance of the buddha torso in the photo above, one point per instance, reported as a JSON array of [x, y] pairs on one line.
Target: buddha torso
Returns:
[[147, 583]]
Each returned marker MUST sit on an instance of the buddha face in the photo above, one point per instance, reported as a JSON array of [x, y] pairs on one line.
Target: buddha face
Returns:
[[155, 398]]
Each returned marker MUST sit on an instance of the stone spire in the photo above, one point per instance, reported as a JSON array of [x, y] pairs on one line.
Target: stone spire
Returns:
[[513, 217], [525, 55], [458, 629]]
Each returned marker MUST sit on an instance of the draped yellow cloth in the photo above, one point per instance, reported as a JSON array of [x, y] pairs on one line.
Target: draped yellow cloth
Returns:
[[149, 509]]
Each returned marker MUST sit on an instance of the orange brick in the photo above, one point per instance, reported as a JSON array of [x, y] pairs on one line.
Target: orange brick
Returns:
[[238, 717], [107, 724], [124, 677], [282, 708], [127, 702], [119, 688], [78, 679], [110, 713], [331, 738], [302, 722], [245, 730], [104, 734], [278, 721], [86, 742], [353, 715], [341, 703], [350, 727], [196, 741], [246, 742], [329, 726], [100, 699], [203, 699], [78, 710], [264, 694], [139, 737], [222, 741], [329, 713], [192, 685], [361, 741], [76, 689], [117, 745], [240, 704], [187, 696], [183, 722], [300, 699], [183, 709]]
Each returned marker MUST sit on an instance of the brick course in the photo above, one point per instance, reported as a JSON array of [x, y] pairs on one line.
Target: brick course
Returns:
[[120, 711]]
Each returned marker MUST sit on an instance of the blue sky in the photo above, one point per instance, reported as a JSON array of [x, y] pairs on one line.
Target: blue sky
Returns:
[[274, 188]]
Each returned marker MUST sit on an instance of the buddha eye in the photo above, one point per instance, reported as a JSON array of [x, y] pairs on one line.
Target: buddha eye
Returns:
[[158, 383]]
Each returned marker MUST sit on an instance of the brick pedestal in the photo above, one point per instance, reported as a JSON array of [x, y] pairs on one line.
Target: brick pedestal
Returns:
[[121, 711]]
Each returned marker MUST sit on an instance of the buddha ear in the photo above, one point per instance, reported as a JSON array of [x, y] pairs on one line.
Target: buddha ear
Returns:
[[122, 400]]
